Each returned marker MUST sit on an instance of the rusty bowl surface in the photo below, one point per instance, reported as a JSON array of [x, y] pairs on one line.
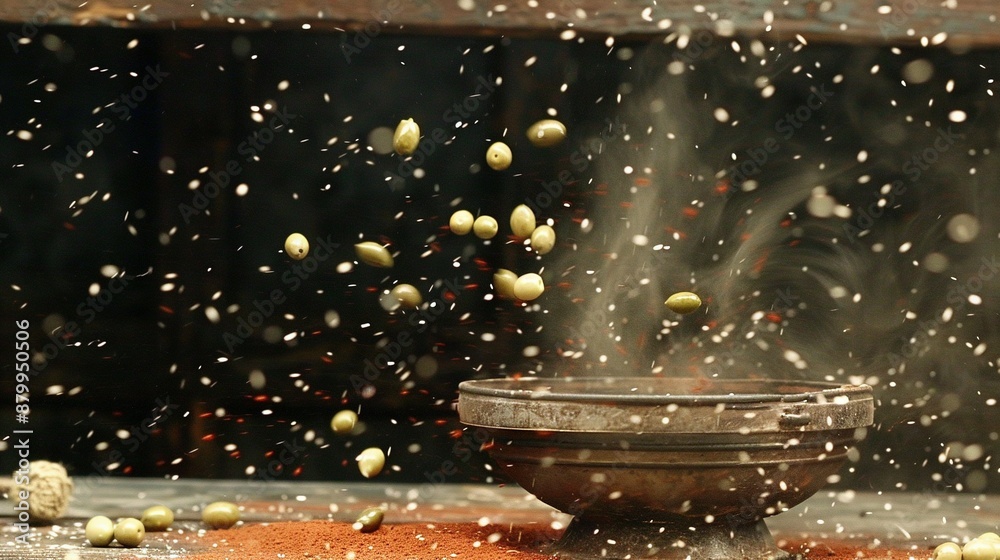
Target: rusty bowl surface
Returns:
[[661, 459]]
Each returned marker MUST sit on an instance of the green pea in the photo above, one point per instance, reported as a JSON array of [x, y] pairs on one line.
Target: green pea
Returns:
[[461, 222], [297, 246], [546, 133], [100, 531], [485, 227], [503, 283], [370, 520], [406, 138], [220, 515], [373, 254], [683, 302], [343, 422], [978, 549], [947, 551], [371, 461], [522, 221], [407, 295], [498, 156], [157, 518], [528, 287], [129, 532], [543, 239]]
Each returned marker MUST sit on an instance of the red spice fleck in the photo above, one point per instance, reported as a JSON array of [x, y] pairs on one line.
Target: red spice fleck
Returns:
[[758, 265], [679, 233], [690, 212]]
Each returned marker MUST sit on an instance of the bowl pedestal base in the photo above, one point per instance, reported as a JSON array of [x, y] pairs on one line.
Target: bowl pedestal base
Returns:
[[587, 539]]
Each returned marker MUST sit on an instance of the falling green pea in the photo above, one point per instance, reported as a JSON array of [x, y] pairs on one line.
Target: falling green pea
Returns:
[[683, 302], [370, 520]]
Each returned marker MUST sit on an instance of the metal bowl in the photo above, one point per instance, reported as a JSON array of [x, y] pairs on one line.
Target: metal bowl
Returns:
[[668, 468]]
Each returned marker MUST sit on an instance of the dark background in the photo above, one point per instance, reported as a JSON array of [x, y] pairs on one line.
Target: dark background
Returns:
[[320, 177]]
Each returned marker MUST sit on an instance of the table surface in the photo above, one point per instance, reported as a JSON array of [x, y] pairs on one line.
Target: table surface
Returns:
[[912, 22], [873, 521]]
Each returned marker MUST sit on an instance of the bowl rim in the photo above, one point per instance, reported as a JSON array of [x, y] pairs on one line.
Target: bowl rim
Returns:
[[807, 391]]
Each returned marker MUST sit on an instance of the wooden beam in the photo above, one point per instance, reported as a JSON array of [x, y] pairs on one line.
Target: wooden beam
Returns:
[[929, 22]]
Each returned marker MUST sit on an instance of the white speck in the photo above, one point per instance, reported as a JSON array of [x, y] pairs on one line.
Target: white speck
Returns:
[[212, 314], [957, 116], [345, 267]]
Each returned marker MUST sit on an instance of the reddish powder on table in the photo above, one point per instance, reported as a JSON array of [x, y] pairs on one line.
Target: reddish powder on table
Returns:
[[417, 541]]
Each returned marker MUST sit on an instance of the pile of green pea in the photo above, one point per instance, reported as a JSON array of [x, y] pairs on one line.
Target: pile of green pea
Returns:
[[101, 531], [983, 547]]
